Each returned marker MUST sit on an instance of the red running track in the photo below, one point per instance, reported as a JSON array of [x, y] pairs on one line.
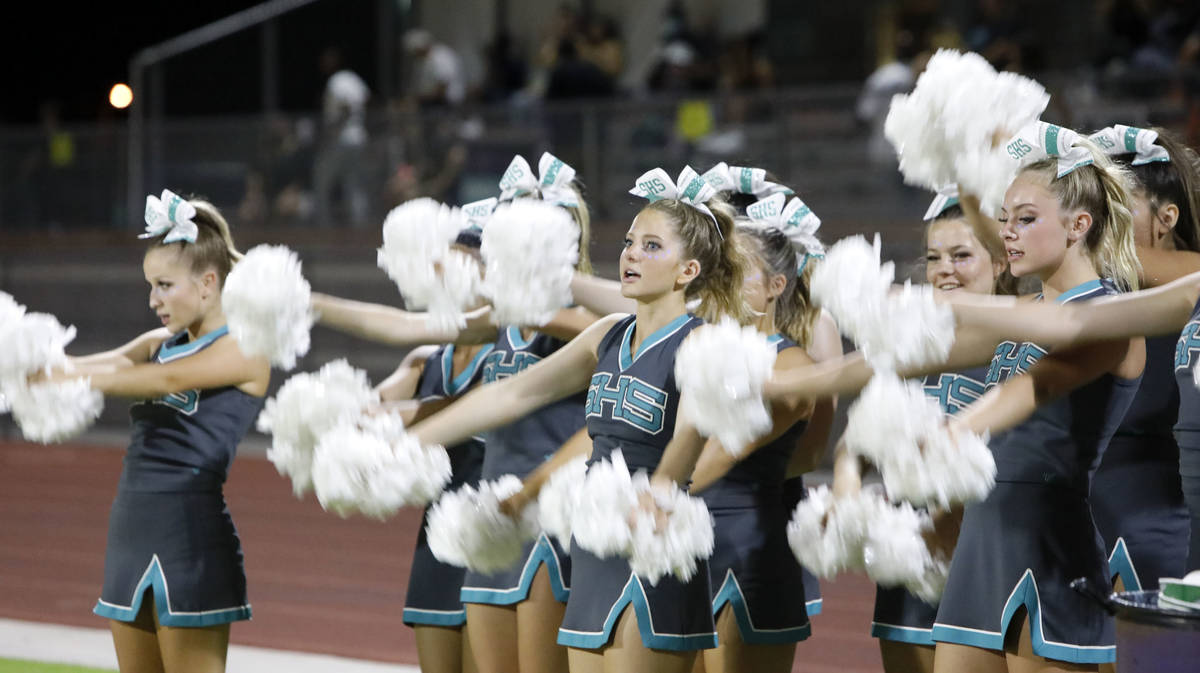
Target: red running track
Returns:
[[318, 583]]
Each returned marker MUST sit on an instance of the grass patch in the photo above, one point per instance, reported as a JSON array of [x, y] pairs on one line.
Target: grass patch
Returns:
[[19, 666]]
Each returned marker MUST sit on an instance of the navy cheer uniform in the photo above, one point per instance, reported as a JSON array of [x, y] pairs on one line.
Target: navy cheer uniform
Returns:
[[433, 587], [169, 529], [752, 569], [1187, 429], [518, 448], [1137, 499], [899, 615], [631, 405], [1033, 534]]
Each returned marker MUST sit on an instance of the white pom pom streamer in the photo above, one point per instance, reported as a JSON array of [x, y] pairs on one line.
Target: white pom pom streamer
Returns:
[[721, 370], [944, 130], [306, 406], [416, 255], [608, 501], [851, 282], [903, 431], [371, 466], [895, 552], [267, 304], [557, 500], [467, 529], [30, 343], [530, 249], [52, 412], [827, 535]]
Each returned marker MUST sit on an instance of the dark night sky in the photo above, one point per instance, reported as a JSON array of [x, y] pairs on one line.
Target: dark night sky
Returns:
[[73, 54]]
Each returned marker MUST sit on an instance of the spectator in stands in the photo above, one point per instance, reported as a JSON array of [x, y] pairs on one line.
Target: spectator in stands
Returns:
[[506, 72], [889, 79], [600, 44], [575, 77], [1003, 34], [341, 149], [437, 74]]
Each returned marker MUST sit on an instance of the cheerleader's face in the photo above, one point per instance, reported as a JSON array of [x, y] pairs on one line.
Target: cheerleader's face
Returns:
[[653, 262], [956, 261], [179, 297], [1034, 227], [761, 286]]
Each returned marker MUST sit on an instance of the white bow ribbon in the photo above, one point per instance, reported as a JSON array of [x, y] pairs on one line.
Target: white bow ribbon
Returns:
[[479, 212], [947, 197], [1040, 140], [1122, 139], [795, 219], [690, 189], [553, 181], [171, 214], [743, 180]]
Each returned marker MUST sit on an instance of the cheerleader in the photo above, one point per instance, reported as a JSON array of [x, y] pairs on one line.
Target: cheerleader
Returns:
[[173, 573], [759, 590], [679, 247]]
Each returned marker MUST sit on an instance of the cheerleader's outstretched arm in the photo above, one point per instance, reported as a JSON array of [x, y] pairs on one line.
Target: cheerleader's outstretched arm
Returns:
[[600, 295], [397, 327], [568, 370], [136, 351], [578, 445], [220, 365], [810, 449]]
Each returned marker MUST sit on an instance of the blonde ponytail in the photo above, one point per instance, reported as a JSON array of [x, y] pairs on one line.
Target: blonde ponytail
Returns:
[[213, 248]]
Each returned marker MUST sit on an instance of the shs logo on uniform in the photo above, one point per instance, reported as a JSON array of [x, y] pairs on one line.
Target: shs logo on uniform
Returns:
[[627, 399]]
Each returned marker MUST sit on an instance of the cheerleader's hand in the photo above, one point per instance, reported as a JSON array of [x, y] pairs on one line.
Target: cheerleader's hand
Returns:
[[514, 505], [649, 505]]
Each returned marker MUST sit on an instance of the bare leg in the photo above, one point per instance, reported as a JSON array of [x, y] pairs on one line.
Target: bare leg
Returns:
[[538, 619], [627, 654], [439, 648], [193, 650], [906, 657], [1021, 659], [585, 661], [954, 658], [493, 633], [733, 655], [136, 642]]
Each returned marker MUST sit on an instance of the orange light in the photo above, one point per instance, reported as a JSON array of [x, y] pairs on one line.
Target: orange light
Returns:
[[120, 96]]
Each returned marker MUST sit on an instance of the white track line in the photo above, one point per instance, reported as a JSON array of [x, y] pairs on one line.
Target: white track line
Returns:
[[93, 647]]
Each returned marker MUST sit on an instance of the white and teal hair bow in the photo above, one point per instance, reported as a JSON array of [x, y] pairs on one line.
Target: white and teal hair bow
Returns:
[[947, 197], [479, 212], [1040, 140], [172, 215], [743, 180], [795, 219], [1122, 139], [690, 189], [552, 182]]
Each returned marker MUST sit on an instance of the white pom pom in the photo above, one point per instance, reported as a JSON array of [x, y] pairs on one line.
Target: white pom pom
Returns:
[[557, 500], [677, 547], [721, 370], [943, 131], [306, 406], [911, 331], [827, 535], [416, 255], [31, 342], [851, 282], [267, 304], [371, 465], [903, 431], [467, 529], [530, 249], [608, 501], [52, 412], [895, 552]]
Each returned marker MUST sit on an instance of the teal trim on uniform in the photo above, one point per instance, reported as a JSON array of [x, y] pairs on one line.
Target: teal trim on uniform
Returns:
[[154, 578], [1082, 288], [774, 339], [731, 594], [1025, 593], [516, 339], [454, 385], [634, 594], [625, 359], [413, 616], [542, 553], [813, 607], [1120, 564], [169, 353], [902, 634]]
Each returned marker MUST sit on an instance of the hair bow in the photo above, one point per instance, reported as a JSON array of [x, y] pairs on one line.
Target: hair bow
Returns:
[[743, 180], [1122, 139], [795, 219], [553, 181], [1040, 140], [690, 189], [479, 212], [171, 215], [947, 197]]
